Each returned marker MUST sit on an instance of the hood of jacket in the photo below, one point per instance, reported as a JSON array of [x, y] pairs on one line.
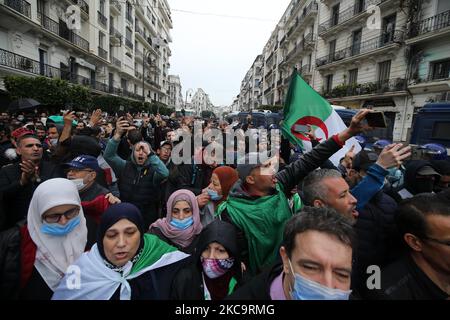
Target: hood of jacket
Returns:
[[411, 172], [133, 160]]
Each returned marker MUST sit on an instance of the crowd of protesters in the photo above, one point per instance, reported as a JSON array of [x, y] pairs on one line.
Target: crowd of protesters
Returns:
[[98, 206]]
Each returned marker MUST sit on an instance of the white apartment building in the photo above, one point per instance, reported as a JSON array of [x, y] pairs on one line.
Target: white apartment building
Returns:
[[104, 51], [201, 102], [270, 58], [235, 106], [379, 54], [429, 57], [175, 94], [251, 86], [360, 64]]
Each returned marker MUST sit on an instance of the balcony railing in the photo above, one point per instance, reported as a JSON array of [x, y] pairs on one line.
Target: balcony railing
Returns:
[[301, 46], [115, 61], [76, 39], [47, 23], [82, 4], [346, 15], [378, 87], [116, 4], [102, 53], [362, 47], [434, 23], [56, 28], [128, 43], [432, 77], [102, 19], [18, 62], [20, 6], [153, 83], [312, 7], [114, 32], [269, 89]]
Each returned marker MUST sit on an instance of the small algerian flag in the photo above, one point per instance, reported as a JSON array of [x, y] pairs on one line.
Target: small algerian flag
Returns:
[[304, 106]]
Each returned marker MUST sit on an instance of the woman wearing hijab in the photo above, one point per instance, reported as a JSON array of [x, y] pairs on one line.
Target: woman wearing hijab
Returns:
[[181, 227], [125, 263], [215, 270], [222, 179], [39, 252]]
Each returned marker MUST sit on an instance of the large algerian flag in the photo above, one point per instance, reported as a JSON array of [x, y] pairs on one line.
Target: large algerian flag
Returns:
[[304, 106]]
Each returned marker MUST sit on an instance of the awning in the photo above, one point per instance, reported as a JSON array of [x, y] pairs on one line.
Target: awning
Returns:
[[85, 64]]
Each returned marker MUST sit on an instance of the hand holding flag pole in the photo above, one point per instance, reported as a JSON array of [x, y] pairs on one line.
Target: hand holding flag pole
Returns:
[[304, 106]]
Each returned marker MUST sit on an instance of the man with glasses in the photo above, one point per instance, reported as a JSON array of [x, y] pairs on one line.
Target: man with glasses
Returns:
[[95, 199], [18, 181], [424, 272]]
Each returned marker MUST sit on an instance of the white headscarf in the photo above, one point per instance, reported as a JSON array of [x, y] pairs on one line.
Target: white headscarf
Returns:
[[54, 254]]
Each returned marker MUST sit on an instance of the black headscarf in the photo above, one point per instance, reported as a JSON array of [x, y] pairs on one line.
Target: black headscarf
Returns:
[[114, 214]]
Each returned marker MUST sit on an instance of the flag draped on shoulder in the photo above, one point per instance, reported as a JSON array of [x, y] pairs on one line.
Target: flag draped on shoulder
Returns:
[[304, 106]]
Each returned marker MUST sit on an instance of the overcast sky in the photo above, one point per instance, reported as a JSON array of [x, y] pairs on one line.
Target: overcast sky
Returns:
[[214, 52]]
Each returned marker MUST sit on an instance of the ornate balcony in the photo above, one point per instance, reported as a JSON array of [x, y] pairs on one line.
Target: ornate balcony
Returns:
[[377, 45], [430, 28], [102, 53], [20, 6], [115, 7], [308, 14], [22, 63], [115, 36], [350, 16], [102, 19], [370, 88]]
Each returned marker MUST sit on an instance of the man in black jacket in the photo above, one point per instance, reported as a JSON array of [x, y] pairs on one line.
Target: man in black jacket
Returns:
[[375, 226], [424, 272], [420, 177], [18, 181]]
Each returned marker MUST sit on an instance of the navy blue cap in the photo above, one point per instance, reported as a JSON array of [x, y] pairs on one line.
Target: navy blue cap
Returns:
[[84, 162]]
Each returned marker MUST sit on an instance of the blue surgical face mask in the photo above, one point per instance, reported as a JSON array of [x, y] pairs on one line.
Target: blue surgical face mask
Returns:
[[182, 224], [214, 195], [305, 289], [58, 230]]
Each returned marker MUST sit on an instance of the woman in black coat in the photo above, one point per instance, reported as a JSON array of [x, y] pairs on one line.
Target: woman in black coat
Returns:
[[215, 270]]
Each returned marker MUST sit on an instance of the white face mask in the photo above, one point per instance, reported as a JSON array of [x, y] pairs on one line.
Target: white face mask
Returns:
[[79, 183], [54, 142]]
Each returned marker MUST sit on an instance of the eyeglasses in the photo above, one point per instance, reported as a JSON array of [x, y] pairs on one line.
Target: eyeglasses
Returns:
[[55, 217], [443, 242]]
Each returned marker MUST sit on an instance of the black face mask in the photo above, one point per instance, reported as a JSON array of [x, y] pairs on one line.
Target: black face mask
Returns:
[[424, 185], [438, 188]]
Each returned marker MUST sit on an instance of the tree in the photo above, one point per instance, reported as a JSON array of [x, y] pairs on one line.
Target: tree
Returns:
[[50, 92]]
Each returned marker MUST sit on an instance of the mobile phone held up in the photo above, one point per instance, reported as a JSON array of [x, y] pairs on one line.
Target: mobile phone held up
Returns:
[[301, 128], [121, 112], [376, 119]]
